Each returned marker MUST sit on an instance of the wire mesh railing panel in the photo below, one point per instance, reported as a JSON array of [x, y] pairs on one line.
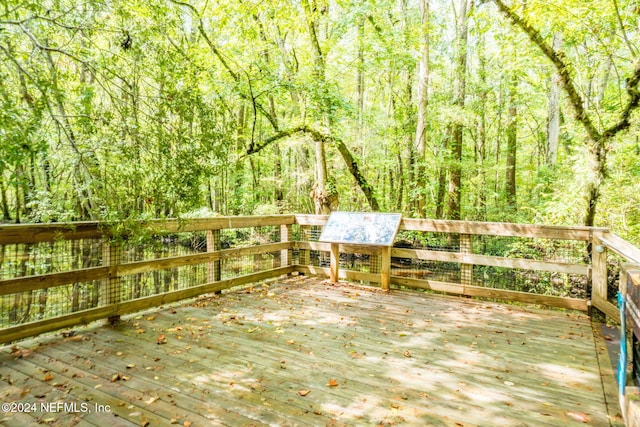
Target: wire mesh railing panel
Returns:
[[474, 250], [614, 267], [551, 250], [426, 270], [161, 281], [31, 259], [245, 237], [531, 281], [164, 246], [443, 242], [248, 264], [162, 273], [40, 304]]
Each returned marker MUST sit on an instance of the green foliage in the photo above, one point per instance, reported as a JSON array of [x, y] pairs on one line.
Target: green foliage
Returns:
[[132, 110]]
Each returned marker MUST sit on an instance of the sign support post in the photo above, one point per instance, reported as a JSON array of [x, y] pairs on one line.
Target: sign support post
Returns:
[[334, 258]]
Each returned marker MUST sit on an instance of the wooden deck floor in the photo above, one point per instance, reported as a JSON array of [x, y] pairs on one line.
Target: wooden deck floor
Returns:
[[300, 352]]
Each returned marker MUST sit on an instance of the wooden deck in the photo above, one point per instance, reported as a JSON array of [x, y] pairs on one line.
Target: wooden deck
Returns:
[[299, 352]]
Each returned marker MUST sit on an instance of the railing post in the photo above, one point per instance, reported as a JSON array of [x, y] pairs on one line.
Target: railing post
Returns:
[[599, 293], [305, 232], [466, 270], [110, 292], [214, 268], [285, 236]]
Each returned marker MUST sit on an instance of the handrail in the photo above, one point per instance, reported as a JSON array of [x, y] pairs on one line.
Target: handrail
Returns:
[[105, 281]]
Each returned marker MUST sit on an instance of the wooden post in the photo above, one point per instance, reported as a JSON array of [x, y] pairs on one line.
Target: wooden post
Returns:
[[385, 267], [335, 262], [110, 290], [598, 269], [466, 270], [285, 236], [304, 253], [214, 268]]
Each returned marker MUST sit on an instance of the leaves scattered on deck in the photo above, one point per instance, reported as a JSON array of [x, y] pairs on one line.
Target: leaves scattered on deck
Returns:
[[308, 353]]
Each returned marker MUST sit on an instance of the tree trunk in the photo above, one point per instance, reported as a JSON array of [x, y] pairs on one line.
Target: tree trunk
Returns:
[[481, 138], [597, 140], [423, 102], [512, 138], [360, 77], [553, 120], [455, 145]]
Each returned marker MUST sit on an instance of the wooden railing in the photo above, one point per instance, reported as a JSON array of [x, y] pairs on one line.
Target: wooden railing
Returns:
[[55, 276]]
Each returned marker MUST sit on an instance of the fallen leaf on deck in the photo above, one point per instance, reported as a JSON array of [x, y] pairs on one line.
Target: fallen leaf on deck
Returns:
[[19, 353], [333, 383], [118, 377], [48, 377], [579, 416], [161, 339], [303, 392], [187, 424]]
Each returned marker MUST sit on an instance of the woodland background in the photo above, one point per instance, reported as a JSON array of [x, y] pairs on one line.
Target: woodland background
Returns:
[[482, 110]]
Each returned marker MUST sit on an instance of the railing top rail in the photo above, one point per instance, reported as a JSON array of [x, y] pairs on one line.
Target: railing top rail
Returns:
[[487, 228], [34, 233], [621, 247]]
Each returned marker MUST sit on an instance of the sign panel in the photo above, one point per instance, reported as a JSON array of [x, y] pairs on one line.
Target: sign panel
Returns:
[[378, 229]]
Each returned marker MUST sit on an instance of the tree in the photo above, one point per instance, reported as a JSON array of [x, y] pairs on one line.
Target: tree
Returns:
[[423, 102], [598, 138], [459, 93]]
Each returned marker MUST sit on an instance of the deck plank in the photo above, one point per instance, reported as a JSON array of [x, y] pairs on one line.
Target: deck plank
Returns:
[[304, 352]]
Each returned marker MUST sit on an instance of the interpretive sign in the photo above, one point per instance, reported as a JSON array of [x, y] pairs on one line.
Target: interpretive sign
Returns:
[[377, 229]]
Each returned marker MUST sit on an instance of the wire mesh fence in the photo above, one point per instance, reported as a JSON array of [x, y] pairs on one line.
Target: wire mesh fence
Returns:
[[30, 259], [428, 259], [135, 268], [59, 256]]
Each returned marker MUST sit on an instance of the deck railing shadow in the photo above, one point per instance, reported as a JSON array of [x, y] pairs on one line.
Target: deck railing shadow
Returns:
[[57, 276]]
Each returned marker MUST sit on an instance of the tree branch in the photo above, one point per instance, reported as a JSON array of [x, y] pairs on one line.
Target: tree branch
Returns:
[[350, 161], [634, 101], [558, 60]]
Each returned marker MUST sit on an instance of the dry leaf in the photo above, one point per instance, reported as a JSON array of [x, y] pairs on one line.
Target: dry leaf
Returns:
[[333, 383], [19, 353], [187, 424], [579, 416], [303, 392], [48, 377], [162, 339]]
